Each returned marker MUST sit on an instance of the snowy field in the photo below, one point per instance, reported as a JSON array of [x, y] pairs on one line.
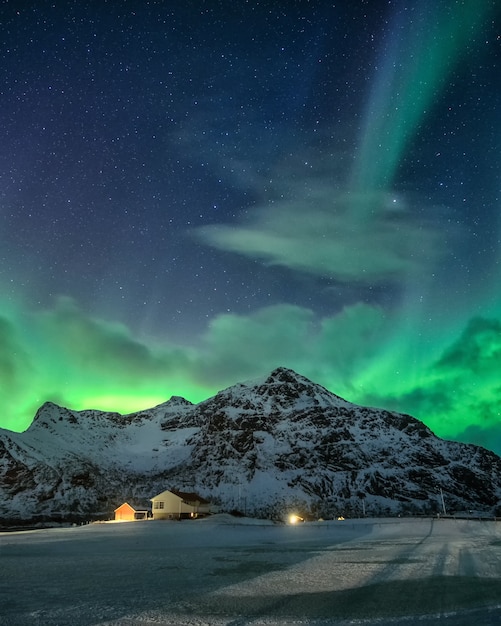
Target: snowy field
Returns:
[[228, 572]]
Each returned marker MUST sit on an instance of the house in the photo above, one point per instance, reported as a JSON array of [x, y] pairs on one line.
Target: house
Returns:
[[176, 504], [129, 513]]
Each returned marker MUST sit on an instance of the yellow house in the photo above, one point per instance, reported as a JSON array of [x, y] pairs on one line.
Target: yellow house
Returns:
[[176, 504]]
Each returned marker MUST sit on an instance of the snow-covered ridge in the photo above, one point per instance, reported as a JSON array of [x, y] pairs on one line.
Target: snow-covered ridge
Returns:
[[260, 447]]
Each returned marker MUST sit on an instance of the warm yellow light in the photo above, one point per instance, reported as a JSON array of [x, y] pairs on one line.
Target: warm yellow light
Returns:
[[294, 519]]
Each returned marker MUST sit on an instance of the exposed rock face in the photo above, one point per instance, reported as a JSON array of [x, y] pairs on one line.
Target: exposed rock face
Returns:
[[262, 447]]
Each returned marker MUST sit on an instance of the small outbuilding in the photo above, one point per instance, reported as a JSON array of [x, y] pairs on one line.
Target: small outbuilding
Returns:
[[131, 512], [176, 504]]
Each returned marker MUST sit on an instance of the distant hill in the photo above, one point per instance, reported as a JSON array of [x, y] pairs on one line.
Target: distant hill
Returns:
[[262, 447]]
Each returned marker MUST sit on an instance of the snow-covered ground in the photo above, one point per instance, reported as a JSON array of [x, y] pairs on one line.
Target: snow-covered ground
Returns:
[[225, 571]]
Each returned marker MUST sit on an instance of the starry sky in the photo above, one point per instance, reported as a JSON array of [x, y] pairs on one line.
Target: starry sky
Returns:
[[193, 193]]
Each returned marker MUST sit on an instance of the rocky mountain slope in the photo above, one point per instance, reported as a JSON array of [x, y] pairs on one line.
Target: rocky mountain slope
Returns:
[[263, 447]]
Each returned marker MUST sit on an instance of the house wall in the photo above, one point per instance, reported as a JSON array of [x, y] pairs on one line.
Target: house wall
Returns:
[[124, 513], [168, 505]]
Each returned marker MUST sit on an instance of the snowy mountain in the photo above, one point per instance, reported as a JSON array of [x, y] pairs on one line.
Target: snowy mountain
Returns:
[[262, 447]]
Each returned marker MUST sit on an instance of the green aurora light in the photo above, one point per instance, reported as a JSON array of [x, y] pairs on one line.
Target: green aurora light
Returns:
[[414, 70]]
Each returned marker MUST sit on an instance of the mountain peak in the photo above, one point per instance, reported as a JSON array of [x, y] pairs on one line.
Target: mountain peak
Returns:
[[49, 406], [48, 412], [285, 381], [174, 402], [285, 375], [179, 401], [280, 392]]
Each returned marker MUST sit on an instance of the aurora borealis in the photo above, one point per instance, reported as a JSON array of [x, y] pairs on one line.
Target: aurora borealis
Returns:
[[194, 193]]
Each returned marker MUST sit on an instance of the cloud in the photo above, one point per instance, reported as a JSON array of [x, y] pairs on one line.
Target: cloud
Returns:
[[14, 363], [365, 238], [477, 351], [355, 334], [237, 347], [97, 348], [487, 437], [482, 418]]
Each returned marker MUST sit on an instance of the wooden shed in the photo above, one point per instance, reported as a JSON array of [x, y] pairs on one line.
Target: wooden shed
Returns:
[[130, 513], [175, 504]]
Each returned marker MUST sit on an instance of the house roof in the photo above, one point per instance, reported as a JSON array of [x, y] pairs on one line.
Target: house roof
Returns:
[[190, 496], [187, 496]]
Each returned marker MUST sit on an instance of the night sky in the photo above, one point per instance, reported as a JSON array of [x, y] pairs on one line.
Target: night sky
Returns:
[[193, 193]]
